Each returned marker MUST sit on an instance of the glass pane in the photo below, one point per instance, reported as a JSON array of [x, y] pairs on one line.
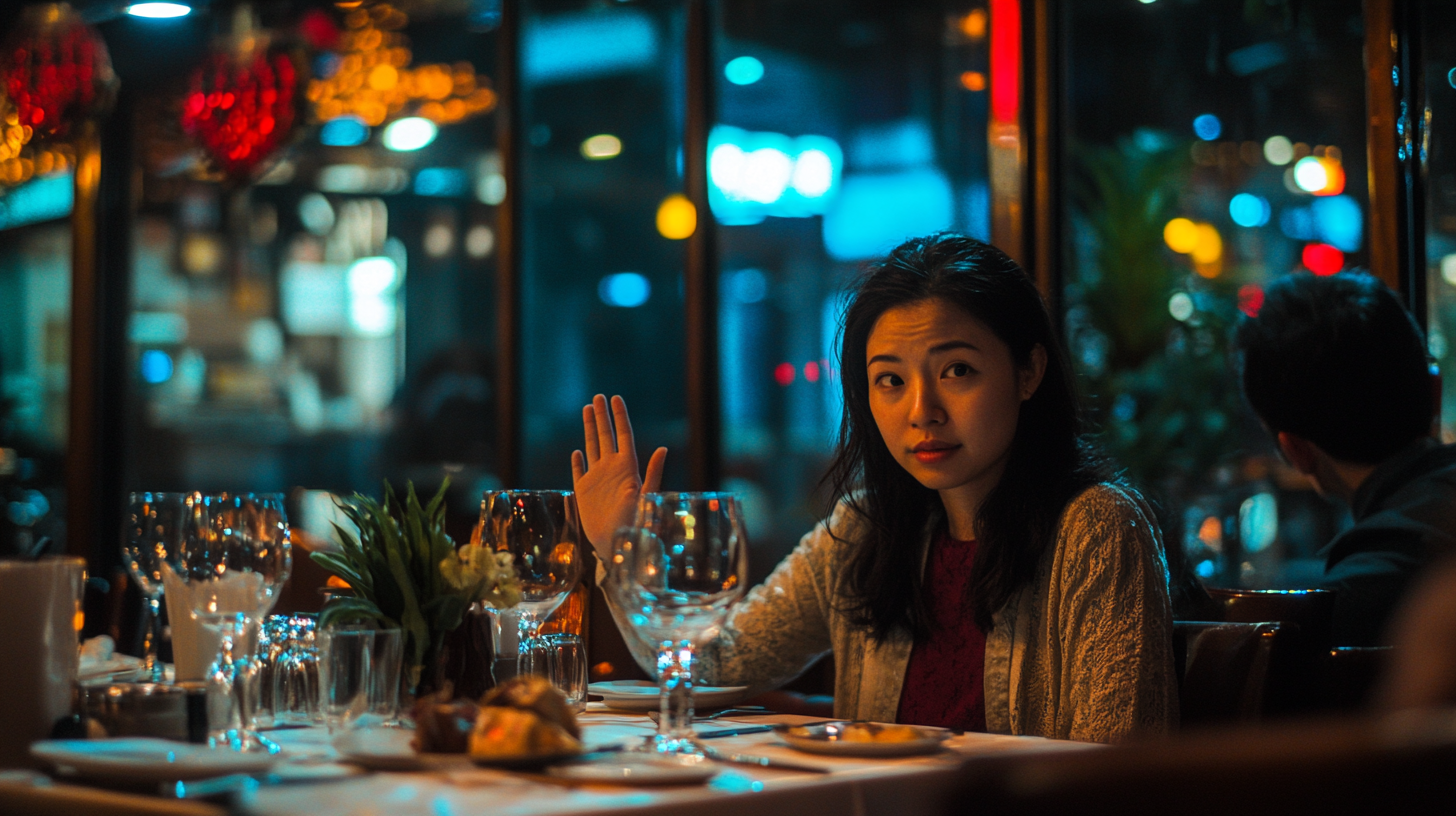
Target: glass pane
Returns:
[[1239, 158], [332, 322], [602, 286], [1439, 45], [35, 335], [844, 130]]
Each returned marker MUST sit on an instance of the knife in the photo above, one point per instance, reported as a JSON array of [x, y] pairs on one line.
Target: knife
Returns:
[[762, 761], [733, 732]]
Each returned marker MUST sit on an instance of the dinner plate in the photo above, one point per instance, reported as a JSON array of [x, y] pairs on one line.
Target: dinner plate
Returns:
[[830, 738], [638, 769], [643, 695], [145, 759]]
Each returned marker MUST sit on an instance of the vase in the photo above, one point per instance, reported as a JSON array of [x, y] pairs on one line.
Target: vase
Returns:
[[461, 658]]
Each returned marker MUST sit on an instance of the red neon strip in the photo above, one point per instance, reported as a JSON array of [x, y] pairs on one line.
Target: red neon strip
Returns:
[[1005, 61]]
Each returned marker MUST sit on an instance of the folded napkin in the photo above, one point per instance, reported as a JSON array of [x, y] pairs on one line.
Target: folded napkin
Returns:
[[99, 660], [195, 644]]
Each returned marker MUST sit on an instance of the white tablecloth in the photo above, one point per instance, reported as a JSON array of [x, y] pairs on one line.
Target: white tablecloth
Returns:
[[855, 786]]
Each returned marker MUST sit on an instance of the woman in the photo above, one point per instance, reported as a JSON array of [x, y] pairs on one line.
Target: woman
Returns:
[[981, 569]]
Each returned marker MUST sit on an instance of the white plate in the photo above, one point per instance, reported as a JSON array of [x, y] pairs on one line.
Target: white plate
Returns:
[[828, 738], [638, 769], [389, 749], [642, 695], [145, 759]]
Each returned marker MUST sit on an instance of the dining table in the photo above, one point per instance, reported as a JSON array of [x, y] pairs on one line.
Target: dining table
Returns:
[[815, 784]]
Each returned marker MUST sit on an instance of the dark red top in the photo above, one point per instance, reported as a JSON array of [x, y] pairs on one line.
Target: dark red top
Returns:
[[944, 681]]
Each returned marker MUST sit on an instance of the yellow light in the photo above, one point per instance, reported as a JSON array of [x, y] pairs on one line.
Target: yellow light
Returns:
[[973, 81], [676, 217], [601, 146], [1208, 246], [973, 25], [383, 77], [1181, 235]]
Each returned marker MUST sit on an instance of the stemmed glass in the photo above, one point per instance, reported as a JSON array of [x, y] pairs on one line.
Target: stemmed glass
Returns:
[[151, 534], [676, 573], [541, 530], [232, 562]]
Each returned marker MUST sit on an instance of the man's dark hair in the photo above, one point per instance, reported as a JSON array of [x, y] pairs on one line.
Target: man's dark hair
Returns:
[[1338, 361]]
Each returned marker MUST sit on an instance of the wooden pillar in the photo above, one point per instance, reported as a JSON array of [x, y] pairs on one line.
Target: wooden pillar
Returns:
[[701, 274], [508, 419]]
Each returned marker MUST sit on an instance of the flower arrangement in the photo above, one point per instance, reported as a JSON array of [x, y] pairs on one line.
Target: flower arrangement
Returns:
[[404, 571]]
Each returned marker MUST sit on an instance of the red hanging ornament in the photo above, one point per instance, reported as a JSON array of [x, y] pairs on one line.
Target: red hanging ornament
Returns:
[[56, 70], [240, 104]]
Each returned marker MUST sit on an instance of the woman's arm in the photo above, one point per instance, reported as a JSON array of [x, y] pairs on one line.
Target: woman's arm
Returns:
[[606, 478], [1116, 629]]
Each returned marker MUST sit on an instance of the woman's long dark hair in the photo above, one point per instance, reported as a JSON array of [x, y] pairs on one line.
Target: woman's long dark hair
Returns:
[[1048, 464]]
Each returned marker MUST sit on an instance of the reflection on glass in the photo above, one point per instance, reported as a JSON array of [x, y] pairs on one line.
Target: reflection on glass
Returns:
[[35, 288], [837, 140], [1241, 158]]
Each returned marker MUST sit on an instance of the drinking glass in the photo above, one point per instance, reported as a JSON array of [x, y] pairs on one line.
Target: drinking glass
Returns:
[[232, 562], [560, 658], [676, 572], [359, 677], [540, 529], [152, 531], [288, 679]]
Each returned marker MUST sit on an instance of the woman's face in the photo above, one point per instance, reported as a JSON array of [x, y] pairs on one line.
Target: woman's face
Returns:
[[946, 393]]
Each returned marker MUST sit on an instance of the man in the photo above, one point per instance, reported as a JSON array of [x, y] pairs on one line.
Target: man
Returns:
[[1337, 370]]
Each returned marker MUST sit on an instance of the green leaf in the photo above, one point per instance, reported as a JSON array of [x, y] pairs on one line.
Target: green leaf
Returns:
[[340, 566], [350, 610]]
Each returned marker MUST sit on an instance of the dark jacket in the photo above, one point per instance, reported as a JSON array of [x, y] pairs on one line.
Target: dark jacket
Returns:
[[1405, 518]]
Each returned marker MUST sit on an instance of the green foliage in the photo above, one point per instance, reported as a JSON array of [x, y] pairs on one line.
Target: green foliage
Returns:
[[1163, 393], [404, 571]]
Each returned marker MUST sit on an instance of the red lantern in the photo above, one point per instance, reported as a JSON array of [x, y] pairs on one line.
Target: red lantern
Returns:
[[240, 106], [56, 69]]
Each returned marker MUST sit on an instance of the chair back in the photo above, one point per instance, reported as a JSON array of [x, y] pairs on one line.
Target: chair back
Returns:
[[1223, 670], [1307, 620]]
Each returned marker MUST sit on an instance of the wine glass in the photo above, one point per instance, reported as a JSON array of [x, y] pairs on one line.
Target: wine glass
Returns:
[[540, 529], [676, 573], [232, 563], [152, 532]]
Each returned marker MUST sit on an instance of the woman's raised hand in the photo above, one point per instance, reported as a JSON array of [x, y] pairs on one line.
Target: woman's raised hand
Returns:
[[606, 478]]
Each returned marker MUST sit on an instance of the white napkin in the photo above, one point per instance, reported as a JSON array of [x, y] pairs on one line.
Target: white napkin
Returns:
[[100, 660], [194, 645]]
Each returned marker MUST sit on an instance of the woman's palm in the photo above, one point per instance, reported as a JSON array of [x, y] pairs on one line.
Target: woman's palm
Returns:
[[606, 477]]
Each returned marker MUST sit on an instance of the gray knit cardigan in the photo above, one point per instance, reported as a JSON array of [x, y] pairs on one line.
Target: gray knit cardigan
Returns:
[[1083, 652]]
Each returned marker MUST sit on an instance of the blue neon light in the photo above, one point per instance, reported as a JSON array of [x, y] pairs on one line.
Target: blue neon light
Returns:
[[755, 175]]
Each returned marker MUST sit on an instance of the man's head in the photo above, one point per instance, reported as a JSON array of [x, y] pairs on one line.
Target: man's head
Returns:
[[1338, 362]]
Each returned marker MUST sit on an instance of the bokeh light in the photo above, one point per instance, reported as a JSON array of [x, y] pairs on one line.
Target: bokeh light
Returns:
[[677, 218], [973, 25], [626, 290], [1310, 174], [743, 70], [410, 133], [345, 131], [1180, 306], [1322, 259], [158, 11], [1181, 235], [784, 373], [1251, 299], [973, 81], [1249, 210], [1207, 127], [601, 146], [1278, 150]]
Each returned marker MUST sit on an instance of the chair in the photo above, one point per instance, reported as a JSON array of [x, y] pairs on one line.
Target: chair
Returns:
[[1350, 675], [1223, 670], [1297, 675]]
